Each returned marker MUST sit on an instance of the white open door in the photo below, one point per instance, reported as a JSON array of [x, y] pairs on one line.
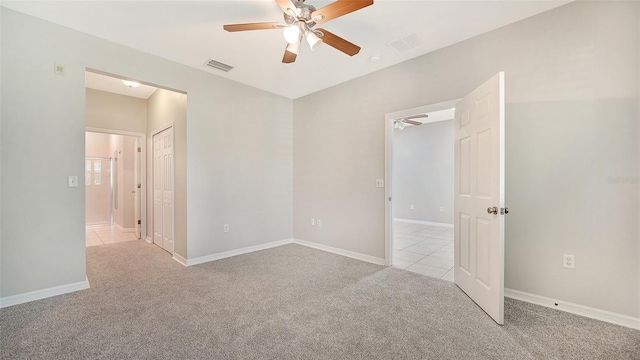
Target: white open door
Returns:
[[137, 183], [479, 196]]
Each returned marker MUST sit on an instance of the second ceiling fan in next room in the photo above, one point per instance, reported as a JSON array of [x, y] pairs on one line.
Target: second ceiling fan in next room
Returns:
[[400, 123], [299, 22]]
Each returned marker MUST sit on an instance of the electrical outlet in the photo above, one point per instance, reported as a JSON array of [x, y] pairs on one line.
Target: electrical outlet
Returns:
[[411, 207], [379, 183], [318, 222], [226, 227], [313, 222], [568, 261]]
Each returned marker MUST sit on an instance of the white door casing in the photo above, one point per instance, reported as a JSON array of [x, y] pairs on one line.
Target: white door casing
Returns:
[[479, 186]]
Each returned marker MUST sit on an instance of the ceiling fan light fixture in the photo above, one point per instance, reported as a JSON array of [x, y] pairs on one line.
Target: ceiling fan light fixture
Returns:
[[292, 34], [131, 84], [313, 40]]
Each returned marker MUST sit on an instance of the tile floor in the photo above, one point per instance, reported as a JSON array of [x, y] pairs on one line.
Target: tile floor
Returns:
[[424, 249], [105, 234]]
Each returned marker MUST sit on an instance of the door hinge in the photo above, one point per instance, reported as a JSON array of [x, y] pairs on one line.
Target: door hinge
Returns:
[[139, 149], [139, 186], [389, 198], [139, 222]]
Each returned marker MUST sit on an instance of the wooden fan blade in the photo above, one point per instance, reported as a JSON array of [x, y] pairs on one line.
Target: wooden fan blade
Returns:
[[416, 123], [339, 43], [285, 5], [416, 116], [338, 8], [291, 53], [252, 26]]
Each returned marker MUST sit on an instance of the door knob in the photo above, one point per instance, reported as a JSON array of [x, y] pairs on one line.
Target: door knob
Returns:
[[492, 210]]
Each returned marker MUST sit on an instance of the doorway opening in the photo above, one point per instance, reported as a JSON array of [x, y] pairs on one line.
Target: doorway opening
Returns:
[[113, 187], [131, 114], [478, 191], [420, 184]]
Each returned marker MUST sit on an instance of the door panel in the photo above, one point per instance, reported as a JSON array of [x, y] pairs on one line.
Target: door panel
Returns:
[[157, 190], [479, 177], [136, 183], [163, 189]]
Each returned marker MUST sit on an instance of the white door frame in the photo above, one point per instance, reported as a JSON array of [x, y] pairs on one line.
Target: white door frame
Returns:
[[143, 174], [388, 166], [173, 174]]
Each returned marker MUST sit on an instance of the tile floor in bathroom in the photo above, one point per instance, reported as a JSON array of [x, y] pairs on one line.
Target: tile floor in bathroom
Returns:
[[423, 249], [106, 234]]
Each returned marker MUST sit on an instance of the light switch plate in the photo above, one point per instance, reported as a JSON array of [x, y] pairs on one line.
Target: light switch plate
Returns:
[[72, 181]]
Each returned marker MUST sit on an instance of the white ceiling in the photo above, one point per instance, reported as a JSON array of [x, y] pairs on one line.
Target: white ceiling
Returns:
[[115, 85], [190, 32]]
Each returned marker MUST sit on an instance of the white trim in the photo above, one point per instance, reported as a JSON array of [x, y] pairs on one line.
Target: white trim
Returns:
[[43, 294], [180, 259], [592, 313], [148, 239], [227, 254], [411, 221], [347, 253], [388, 167], [125, 230], [96, 223]]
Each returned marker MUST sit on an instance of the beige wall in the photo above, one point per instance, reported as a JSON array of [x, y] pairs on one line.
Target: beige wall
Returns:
[[165, 108], [571, 126], [106, 110], [97, 144]]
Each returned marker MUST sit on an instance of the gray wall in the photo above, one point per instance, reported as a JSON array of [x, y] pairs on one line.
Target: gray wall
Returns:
[[239, 165], [571, 125], [423, 172]]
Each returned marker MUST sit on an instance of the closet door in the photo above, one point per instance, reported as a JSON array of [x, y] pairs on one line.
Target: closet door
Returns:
[[163, 189], [167, 190]]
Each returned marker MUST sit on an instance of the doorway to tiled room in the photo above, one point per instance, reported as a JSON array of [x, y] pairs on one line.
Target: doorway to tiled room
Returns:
[[112, 188], [422, 181]]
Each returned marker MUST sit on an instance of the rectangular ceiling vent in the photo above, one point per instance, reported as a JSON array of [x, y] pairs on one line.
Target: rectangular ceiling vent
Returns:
[[406, 43], [218, 65]]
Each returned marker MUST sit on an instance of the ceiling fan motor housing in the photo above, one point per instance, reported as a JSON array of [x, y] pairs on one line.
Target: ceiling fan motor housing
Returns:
[[303, 13]]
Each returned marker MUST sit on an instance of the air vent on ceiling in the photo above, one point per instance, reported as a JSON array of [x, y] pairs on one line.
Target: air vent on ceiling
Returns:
[[406, 43], [218, 65]]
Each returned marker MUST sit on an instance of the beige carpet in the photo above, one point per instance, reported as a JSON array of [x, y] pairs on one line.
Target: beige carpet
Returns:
[[289, 302]]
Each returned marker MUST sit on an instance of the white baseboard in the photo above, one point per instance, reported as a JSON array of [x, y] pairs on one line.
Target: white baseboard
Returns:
[[148, 239], [593, 313], [347, 253], [246, 250], [423, 222], [97, 223], [180, 259], [125, 230], [42, 294]]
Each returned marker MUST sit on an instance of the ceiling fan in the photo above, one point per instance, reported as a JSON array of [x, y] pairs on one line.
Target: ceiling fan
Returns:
[[400, 123], [299, 21]]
